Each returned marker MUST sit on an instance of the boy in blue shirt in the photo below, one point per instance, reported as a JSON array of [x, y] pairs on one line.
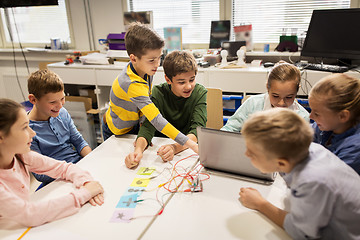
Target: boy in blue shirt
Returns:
[[56, 134], [325, 192]]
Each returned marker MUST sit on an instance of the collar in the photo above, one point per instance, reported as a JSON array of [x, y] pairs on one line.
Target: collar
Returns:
[[288, 177], [176, 98], [337, 137], [134, 71]]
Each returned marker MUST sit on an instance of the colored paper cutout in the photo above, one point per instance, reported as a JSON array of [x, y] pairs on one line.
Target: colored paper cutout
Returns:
[[140, 182], [122, 215], [134, 190], [145, 171], [127, 201]]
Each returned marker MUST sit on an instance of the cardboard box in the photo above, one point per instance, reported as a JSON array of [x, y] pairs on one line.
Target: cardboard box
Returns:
[[88, 92], [87, 102]]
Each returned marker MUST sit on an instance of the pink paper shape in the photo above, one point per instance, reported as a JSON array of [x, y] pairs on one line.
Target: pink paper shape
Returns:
[[122, 215]]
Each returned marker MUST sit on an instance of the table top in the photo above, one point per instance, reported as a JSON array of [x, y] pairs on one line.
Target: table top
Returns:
[[216, 213], [211, 214]]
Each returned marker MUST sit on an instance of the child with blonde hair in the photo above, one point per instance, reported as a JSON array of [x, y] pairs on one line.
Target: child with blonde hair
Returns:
[[282, 85], [335, 108], [16, 163], [325, 192]]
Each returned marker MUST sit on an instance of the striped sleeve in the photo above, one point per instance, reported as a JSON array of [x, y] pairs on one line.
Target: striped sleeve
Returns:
[[138, 93]]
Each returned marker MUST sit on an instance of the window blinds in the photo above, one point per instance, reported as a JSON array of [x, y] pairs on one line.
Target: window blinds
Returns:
[[270, 17], [193, 16]]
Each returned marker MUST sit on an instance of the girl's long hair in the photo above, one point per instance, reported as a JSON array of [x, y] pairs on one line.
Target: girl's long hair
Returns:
[[8, 116]]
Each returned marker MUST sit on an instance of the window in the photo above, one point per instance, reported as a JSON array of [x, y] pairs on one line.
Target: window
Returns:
[[269, 18], [34, 26], [193, 16]]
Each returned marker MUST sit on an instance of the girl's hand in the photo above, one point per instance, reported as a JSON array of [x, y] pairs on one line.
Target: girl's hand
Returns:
[[251, 198], [94, 188], [97, 200]]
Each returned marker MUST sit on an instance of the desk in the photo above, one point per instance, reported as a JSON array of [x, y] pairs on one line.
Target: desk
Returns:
[[106, 165], [214, 213], [101, 76], [239, 80]]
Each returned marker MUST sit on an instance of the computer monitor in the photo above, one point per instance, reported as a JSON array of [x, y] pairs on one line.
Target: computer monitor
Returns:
[[220, 32], [334, 34]]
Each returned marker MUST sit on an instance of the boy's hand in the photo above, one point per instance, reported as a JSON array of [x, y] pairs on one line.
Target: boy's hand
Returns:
[[192, 145], [251, 198], [166, 152], [133, 159], [96, 191]]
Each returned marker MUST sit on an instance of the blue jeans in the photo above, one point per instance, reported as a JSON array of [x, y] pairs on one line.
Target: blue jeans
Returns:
[[106, 131]]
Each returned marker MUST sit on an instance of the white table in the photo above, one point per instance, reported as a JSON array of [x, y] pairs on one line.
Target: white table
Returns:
[[106, 164], [214, 213]]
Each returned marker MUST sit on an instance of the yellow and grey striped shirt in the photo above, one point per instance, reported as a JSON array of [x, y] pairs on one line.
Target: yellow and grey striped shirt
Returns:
[[130, 99]]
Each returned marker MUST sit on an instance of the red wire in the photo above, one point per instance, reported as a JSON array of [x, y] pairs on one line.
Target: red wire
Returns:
[[185, 176]]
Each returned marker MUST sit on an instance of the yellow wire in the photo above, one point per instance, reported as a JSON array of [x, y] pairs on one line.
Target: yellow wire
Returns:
[[28, 229]]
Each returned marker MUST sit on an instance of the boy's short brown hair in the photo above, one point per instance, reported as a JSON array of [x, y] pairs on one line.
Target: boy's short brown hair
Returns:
[[140, 38], [44, 81], [280, 132], [178, 62]]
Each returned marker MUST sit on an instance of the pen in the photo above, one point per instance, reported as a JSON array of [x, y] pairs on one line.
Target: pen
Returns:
[[136, 201]]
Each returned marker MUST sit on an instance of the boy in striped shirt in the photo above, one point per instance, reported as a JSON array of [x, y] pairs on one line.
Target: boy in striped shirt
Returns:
[[130, 93]]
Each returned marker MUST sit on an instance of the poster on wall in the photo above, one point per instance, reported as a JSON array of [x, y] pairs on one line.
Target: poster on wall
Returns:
[[244, 33], [173, 38]]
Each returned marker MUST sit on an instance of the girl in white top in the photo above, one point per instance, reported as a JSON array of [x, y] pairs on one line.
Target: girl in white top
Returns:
[[283, 84]]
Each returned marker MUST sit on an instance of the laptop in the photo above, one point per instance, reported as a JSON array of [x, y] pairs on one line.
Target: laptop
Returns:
[[223, 153]]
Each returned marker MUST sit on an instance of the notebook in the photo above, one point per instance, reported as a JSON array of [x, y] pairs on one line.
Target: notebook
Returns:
[[223, 153]]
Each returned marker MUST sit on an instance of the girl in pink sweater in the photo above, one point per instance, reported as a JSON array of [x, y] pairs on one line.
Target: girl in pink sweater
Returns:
[[16, 161]]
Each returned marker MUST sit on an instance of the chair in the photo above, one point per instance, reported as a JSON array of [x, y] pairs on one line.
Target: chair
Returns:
[[214, 108]]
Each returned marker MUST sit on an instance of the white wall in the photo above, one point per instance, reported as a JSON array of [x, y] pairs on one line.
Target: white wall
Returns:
[[79, 24], [93, 20], [8, 84], [107, 17]]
